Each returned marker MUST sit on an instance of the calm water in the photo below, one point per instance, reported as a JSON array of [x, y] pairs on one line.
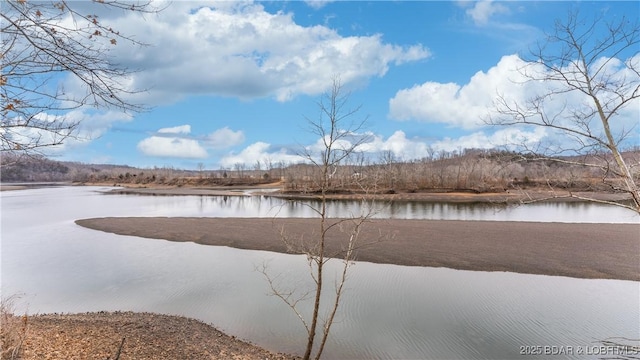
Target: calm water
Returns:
[[388, 311]]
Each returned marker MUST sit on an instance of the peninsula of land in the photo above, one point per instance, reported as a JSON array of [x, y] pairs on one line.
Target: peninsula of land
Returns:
[[606, 251]]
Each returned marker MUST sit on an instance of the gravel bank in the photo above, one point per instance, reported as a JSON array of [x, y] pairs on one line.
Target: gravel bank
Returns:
[[141, 336]]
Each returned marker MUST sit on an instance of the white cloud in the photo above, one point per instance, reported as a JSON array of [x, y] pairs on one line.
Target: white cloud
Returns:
[[484, 18], [482, 11], [94, 124], [178, 142], [466, 106], [173, 145], [402, 148], [398, 144], [238, 49], [459, 105], [225, 138], [406, 149], [505, 137], [344, 143], [87, 125], [262, 152], [318, 4], [373, 145], [182, 129]]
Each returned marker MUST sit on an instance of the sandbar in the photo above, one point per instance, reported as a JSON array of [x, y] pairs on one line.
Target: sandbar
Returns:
[[603, 251]]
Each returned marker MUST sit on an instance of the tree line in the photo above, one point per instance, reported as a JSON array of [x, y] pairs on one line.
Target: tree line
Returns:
[[471, 170]]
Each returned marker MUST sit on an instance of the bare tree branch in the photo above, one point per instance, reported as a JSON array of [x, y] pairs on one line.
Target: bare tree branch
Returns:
[[574, 61], [340, 139], [45, 43]]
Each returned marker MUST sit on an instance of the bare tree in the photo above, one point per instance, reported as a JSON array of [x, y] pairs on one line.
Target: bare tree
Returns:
[[581, 61], [200, 166], [339, 136], [239, 168], [43, 42]]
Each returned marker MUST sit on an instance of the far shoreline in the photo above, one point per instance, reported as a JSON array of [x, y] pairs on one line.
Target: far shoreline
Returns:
[[507, 197], [512, 196]]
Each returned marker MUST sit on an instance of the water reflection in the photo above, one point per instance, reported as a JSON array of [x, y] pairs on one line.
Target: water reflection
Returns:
[[388, 311], [266, 206]]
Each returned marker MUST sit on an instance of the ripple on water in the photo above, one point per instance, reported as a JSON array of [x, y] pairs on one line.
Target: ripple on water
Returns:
[[387, 311]]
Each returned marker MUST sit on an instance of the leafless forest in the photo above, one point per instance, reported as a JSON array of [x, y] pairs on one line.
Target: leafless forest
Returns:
[[477, 171]]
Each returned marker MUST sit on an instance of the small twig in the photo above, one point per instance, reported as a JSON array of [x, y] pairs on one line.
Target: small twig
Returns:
[[117, 356]]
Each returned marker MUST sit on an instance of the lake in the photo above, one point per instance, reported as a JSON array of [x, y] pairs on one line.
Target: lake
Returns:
[[388, 311]]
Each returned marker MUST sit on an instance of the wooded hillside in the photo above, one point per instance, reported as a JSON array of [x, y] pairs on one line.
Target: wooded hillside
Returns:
[[470, 170]]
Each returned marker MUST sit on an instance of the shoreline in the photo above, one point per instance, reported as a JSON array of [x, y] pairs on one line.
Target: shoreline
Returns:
[[512, 196], [132, 335], [590, 251], [507, 197]]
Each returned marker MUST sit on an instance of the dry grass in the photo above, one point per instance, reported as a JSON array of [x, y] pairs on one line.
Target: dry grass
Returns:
[[13, 329]]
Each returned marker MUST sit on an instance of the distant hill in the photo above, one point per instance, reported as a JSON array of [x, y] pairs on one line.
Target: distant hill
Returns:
[[469, 170], [28, 169], [39, 168]]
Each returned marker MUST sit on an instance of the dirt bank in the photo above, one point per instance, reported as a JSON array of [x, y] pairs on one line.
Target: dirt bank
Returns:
[[609, 251], [275, 189], [146, 337]]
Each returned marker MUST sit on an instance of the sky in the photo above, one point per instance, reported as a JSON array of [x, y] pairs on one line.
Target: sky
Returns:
[[236, 82]]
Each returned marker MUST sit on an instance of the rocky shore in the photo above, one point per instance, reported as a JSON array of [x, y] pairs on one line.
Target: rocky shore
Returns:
[[128, 335]]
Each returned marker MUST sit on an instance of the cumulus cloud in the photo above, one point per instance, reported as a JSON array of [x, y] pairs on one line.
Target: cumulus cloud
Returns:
[[172, 144], [260, 152], [240, 50], [502, 138], [86, 123], [345, 143], [172, 147], [485, 16], [468, 106], [407, 149], [402, 148], [182, 129], [225, 138], [317, 4], [482, 11], [460, 105], [398, 144], [179, 142], [375, 145]]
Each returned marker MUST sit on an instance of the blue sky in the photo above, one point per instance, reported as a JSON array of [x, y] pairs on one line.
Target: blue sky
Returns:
[[231, 82]]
